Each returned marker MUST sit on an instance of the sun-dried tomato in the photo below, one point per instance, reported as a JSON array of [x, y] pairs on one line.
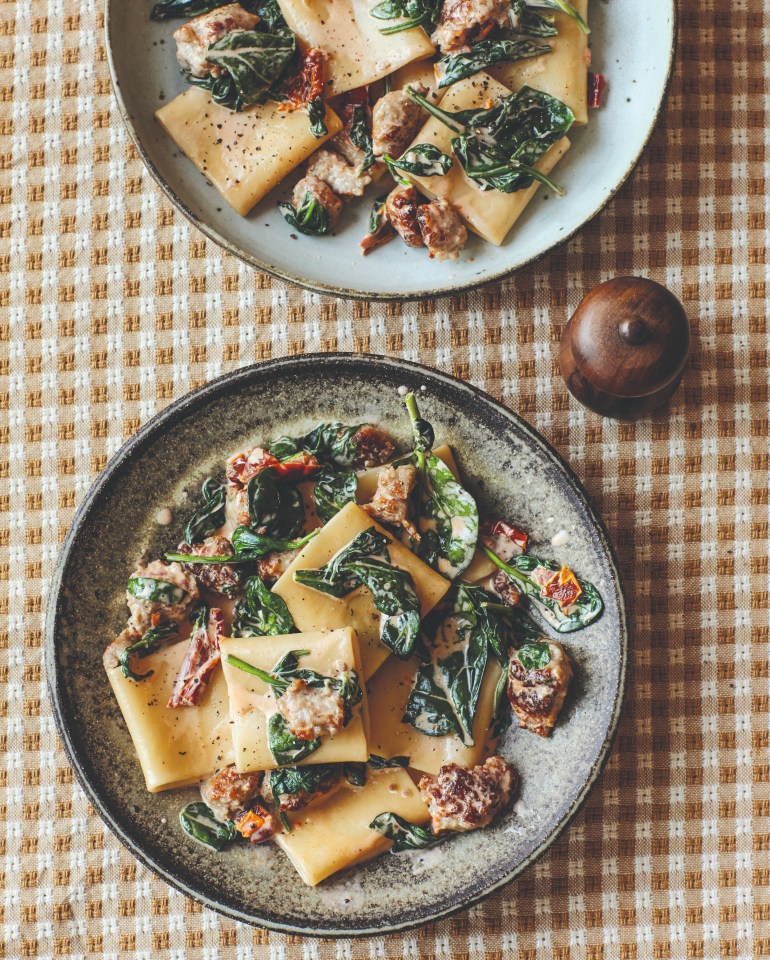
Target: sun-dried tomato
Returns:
[[201, 660], [256, 824], [500, 528], [301, 465], [307, 81], [244, 466], [563, 587], [596, 85], [358, 96]]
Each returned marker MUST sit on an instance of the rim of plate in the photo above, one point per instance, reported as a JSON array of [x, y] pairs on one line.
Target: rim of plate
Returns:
[[356, 294], [55, 684]]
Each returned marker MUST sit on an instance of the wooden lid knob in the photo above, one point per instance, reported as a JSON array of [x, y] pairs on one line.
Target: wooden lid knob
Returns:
[[624, 350]]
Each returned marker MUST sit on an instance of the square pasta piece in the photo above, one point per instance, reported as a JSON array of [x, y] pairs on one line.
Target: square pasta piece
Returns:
[[358, 53], [489, 213], [313, 610], [389, 691], [252, 703], [243, 154], [563, 72], [175, 745], [335, 834]]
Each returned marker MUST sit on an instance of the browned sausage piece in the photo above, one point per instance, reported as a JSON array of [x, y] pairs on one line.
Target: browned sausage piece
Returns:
[[221, 578], [463, 21], [229, 793], [311, 712], [395, 120], [401, 211], [442, 229], [462, 799], [334, 170], [373, 447], [390, 503], [537, 696]]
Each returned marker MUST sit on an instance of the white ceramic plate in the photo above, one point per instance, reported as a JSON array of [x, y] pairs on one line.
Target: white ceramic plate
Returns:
[[632, 44]]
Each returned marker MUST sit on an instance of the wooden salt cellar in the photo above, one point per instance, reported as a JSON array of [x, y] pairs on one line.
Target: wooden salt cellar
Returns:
[[624, 350]]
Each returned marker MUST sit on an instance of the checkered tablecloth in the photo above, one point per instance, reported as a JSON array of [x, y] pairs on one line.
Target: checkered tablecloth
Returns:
[[111, 305]]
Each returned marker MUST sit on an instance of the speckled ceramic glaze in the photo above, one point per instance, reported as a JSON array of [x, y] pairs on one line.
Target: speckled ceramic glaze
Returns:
[[511, 470], [631, 43]]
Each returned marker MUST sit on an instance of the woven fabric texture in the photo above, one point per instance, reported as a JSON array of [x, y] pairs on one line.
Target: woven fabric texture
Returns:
[[111, 305]]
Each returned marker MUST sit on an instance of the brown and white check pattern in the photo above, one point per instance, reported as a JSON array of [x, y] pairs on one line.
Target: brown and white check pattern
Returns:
[[111, 305]]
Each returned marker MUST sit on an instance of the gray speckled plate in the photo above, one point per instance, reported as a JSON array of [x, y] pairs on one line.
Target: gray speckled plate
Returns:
[[632, 43], [510, 468]]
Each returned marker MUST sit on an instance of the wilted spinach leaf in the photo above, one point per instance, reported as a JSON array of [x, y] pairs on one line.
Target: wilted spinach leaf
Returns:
[[417, 13], [361, 135], [564, 6], [261, 613], [376, 219], [422, 431], [428, 708], [586, 608], [269, 14], [198, 821], [316, 111], [287, 782], [457, 66], [248, 545], [275, 509], [210, 515], [501, 707], [448, 517], [284, 746], [533, 22], [498, 146], [147, 644], [333, 489], [333, 578], [252, 61], [156, 591], [535, 656], [422, 160], [355, 774], [405, 835], [311, 217], [331, 443], [394, 596], [387, 763], [446, 693]]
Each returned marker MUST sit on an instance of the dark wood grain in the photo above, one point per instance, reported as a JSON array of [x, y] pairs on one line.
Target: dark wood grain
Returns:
[[624, 350]]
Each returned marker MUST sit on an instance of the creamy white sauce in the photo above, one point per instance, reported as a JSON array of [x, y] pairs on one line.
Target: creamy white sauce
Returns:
[[243, 701], [164, 517], [432, 169], [424, 861], [342, 896], [560, 539]]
